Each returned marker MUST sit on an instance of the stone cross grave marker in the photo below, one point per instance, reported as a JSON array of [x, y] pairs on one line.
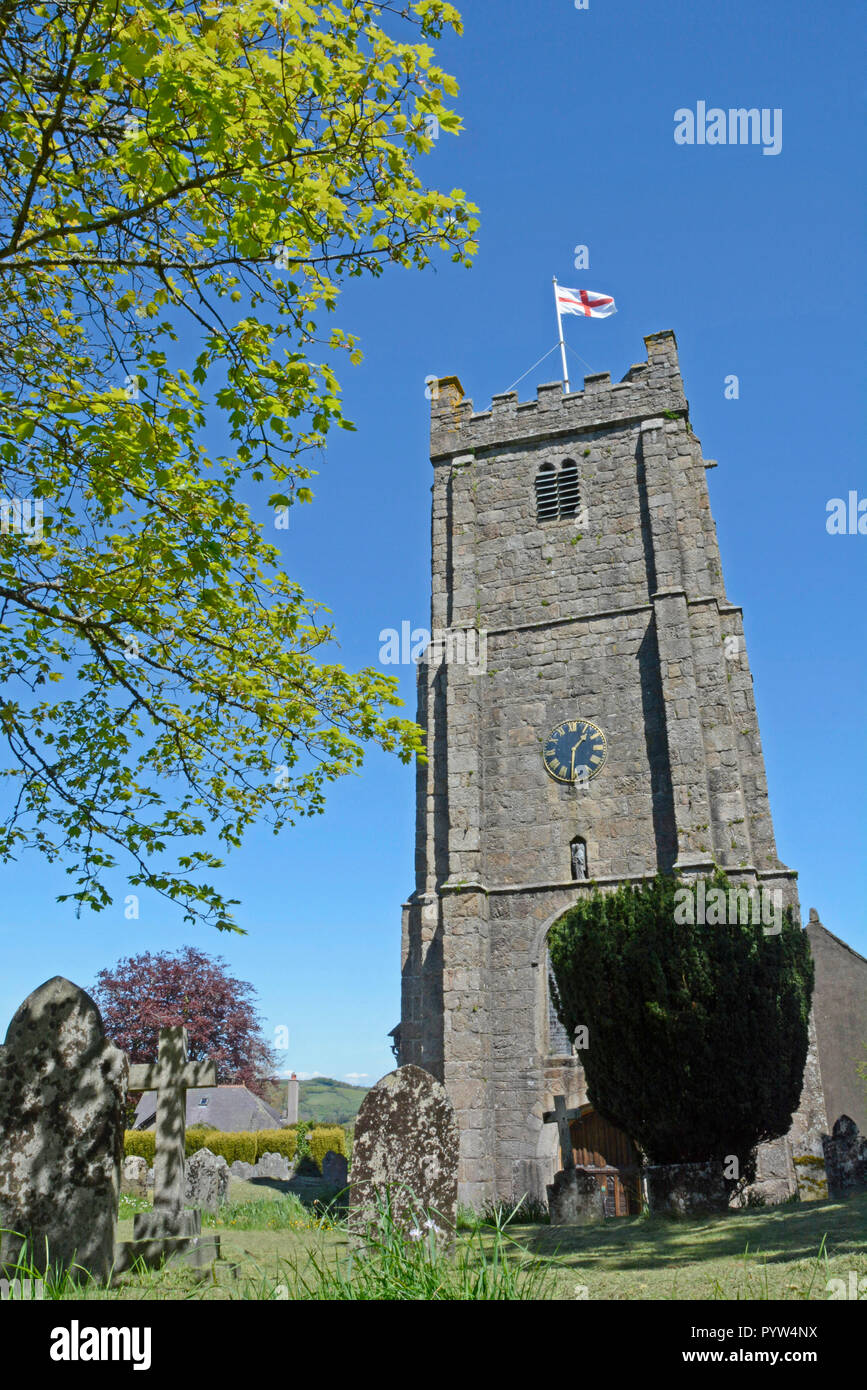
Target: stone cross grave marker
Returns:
[[574, 1197], [62, 1094], [169, 1230], [560, 1116], [171, 1076]]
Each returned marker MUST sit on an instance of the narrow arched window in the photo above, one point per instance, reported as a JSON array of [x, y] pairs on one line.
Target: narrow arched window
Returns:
[[547, 498], [567, 489]]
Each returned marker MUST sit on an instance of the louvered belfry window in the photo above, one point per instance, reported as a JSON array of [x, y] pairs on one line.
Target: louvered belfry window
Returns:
[[567, 489], [557, 491], [547, 501]]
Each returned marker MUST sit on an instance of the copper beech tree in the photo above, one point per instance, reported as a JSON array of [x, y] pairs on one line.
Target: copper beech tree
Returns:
[[144, 993], [183, 188]]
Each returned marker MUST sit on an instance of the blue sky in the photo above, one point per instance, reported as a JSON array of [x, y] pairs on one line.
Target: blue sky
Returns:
[[756, 262]]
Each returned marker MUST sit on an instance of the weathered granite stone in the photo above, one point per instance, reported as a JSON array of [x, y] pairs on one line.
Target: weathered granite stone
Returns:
[[149, 1225], [845, 1159], [575, 1199], [167, 1237], [242, 1170], [171, 1076], [405, 1151], [272, 1165], [206, 1181], [156, 1234], [195, 1251], [134, 1176], [774, 1180], [614, 610], [335, 1169], [62, 1110], [687, 1189]]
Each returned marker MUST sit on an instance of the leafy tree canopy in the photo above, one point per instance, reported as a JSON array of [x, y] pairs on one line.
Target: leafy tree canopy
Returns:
[[183, 188], [145, 993], [697, 1032]]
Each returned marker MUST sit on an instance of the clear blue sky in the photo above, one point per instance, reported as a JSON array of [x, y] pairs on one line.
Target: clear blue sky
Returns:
[[756, 262]]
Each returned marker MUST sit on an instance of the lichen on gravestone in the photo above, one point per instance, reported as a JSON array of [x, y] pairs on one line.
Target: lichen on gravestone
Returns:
[[405, 1153], [62, 1109]]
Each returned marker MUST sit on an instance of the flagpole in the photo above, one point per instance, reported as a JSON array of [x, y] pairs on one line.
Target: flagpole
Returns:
[[562, 343]]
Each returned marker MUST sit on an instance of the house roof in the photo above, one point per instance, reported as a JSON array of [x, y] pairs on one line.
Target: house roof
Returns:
[[219, 1107]]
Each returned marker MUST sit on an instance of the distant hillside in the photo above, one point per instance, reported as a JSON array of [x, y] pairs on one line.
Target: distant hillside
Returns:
[[329, 1101], [321, 1099]]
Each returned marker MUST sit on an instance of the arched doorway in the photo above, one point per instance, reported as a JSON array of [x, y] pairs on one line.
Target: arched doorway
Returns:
[[608, 1155]]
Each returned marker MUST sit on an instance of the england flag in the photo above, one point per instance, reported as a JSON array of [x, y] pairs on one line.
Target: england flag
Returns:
[[587, 302]]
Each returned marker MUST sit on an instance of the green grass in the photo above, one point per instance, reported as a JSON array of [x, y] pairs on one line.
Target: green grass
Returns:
[[285, 1244], [787, 1252]]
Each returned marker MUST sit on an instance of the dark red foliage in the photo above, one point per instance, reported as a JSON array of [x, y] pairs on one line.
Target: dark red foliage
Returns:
[[145, 993]]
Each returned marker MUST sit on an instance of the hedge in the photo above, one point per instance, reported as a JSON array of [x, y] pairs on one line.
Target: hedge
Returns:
[[248, 1145], [325, 1138], [140, 1143]]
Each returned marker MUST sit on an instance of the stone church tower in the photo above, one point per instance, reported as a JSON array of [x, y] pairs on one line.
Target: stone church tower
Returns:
[[575, 551]]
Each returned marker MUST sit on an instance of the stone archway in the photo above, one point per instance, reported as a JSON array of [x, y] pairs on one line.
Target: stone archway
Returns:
[[598, 1147], [547, 1023]]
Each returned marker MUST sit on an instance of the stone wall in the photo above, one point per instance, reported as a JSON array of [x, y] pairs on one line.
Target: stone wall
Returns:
[[841, 1022]]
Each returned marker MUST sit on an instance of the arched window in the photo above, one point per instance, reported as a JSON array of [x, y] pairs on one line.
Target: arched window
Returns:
[[558, 495], [567, 489], [578, 857], [547, 500]]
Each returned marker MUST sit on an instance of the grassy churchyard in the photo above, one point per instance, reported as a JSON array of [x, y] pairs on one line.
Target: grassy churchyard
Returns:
[[286, 1240]]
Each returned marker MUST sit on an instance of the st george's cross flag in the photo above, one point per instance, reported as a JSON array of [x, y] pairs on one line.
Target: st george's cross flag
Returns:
[[587, 302]]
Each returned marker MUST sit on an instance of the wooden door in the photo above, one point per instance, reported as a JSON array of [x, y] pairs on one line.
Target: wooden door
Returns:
[[607, 1153]]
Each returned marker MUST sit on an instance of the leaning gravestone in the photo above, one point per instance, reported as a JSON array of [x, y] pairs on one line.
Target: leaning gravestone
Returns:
[[62, 1110], [405, 1152], [206, 1181]]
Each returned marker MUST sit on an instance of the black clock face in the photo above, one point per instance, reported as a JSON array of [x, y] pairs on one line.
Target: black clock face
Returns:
[[574, 751]]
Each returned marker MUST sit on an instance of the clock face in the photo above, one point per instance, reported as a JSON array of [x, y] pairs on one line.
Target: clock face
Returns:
[[574, 751]]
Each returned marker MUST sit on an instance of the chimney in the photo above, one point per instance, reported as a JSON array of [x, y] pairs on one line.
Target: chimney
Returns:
[[292, 1100]]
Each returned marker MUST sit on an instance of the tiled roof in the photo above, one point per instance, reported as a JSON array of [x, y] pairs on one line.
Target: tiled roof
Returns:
[[219, 1107]]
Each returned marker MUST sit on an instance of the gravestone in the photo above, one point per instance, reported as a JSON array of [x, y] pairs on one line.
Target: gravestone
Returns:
[[405, 1151], [335, 1169], [62, 1110], [206, 1181], [575, 1198], [845, 1159], [134, 1176], [168, 1232], [272, 1165], [242, 1171]]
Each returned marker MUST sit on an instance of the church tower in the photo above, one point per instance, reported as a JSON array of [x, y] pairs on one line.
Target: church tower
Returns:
[[590, 717]]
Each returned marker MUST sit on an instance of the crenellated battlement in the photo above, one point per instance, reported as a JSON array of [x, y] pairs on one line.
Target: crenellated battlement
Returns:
[[648, 389]]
